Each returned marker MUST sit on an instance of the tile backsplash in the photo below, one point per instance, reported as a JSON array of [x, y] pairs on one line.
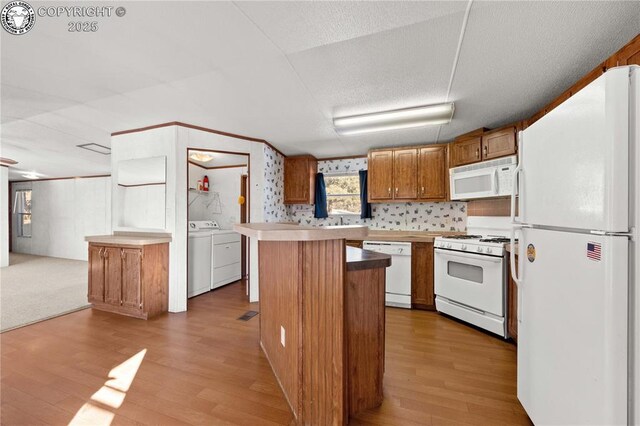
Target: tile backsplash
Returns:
[[449, 216]]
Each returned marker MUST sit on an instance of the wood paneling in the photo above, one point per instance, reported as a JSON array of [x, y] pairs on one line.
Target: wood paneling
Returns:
[[365, 298], [489, 207], [96, 274], [405, 174], [131, 278], [205, 367], [422, 290], [280, 282], [432, 173], [354, 243], [324, 396], [299, 179], [499, 143], [380, 176], [465, 151]]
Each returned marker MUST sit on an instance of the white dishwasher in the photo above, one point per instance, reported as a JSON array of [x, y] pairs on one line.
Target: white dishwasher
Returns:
[[398, 275]]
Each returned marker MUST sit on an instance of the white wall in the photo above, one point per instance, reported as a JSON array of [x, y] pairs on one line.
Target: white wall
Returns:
[[4, 216], [226, 183], [174, 142], [63, 212]]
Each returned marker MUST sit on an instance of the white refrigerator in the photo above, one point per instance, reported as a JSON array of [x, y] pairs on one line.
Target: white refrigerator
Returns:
[[578, 264]]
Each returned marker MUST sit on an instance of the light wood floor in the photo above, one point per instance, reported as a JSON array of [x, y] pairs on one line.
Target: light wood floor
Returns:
[[206, 367]]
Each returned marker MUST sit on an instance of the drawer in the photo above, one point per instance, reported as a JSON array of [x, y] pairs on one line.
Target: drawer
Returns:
[[226, 274], [226, 254]]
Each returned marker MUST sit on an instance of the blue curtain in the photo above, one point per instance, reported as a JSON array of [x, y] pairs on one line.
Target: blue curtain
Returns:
[[365, 207], [321, 198]]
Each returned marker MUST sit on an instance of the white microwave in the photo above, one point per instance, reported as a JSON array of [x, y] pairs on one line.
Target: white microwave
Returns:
[[492, 178]]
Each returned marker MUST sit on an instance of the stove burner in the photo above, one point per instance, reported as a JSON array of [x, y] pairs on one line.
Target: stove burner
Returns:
[[463, 237], [496, 240]]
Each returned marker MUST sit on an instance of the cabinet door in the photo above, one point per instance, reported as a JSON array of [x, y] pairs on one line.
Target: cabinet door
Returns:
[[296, 180], [113, 276], [131, 278], [96, 274], [499, 143], [422, 294], [380, 176], [512, 307], [405, 174], [432, 174], [465, 151]]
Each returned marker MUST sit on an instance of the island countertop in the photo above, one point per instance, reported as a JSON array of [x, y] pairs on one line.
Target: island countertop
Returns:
[[358, 259], [129, 238], [292, 232]]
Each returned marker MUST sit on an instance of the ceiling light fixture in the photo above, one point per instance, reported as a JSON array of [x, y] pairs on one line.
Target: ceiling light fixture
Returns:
[[201, 156], [31, 175], [396, 119], [100, 149]]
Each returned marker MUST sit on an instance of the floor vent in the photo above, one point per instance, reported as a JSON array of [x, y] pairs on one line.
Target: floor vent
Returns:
[[248, 315]]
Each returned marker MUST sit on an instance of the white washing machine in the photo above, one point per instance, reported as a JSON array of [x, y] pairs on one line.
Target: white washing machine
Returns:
[[214, 257]]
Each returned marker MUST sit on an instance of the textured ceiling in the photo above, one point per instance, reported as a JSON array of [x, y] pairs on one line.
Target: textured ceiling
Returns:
[[281, 71]]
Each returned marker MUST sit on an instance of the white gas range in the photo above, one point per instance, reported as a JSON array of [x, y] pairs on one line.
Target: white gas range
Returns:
[[470, 274]]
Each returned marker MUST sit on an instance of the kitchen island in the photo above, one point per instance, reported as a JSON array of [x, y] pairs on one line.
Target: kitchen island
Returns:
[[321, 318]]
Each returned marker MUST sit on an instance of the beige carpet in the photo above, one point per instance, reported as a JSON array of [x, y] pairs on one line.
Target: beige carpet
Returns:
[[35, 288]]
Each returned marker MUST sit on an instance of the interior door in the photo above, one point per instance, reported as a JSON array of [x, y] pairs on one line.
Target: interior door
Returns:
[[131, 278], [380, 175], [405, 174], [96, 274], [113, 275], [572, 334], [432, 175]]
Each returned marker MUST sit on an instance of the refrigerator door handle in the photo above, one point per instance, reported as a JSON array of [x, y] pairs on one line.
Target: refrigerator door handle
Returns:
[[512, 259], [514, 185]]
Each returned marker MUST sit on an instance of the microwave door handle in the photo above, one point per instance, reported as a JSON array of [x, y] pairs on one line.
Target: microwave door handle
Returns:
[[495, 181]]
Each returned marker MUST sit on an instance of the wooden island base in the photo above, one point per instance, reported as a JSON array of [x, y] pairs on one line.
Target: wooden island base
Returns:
[[322, 326]]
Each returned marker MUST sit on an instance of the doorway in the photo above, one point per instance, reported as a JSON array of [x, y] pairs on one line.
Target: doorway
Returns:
[[218, 198]]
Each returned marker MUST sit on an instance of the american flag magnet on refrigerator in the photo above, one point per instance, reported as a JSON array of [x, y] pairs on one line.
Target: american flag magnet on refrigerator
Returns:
[[594, 251]]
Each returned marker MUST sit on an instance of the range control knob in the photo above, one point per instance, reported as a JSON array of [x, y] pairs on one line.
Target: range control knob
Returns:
[[449, 245], [479, 249], [489, 250], [464, 247]]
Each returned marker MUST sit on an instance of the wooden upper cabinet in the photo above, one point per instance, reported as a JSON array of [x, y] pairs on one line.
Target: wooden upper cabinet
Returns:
[[299, 179], [96, 274], [432, 173], [499, 143], [628, 55], [465, 151], [380, 176], [405, 174], [131, 278]]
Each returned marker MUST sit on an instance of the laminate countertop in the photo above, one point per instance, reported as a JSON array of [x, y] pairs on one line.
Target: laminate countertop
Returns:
[[293, 232], [129, 238], [358, 259], [404, 236]]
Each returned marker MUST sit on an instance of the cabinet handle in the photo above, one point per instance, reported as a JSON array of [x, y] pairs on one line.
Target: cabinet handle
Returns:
[[396, 191], [100, 252], [484, 150], [122, 253], [477, 152], [105, 254], [423, 189], [389, 191]]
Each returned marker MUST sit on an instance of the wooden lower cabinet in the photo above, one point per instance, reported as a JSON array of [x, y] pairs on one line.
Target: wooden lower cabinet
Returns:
[[129, 280], [354, 243], [422, 291], [512, 306]]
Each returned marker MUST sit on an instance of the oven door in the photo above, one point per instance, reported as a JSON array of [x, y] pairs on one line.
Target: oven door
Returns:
[[470, 279], [470, 184]]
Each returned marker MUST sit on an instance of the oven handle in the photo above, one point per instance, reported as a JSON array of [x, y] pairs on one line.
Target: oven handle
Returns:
[[489, 258]]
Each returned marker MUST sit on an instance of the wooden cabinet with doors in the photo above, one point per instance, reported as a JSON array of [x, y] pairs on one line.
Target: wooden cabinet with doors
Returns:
[[380, 175], [466, 150], [128, 279], [422, 290], [405, 174], [408, 174], [499, 143], [299, 179], [432, 173]]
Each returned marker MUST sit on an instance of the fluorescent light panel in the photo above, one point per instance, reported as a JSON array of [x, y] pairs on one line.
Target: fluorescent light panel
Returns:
[[426, 115], [100, 149]]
